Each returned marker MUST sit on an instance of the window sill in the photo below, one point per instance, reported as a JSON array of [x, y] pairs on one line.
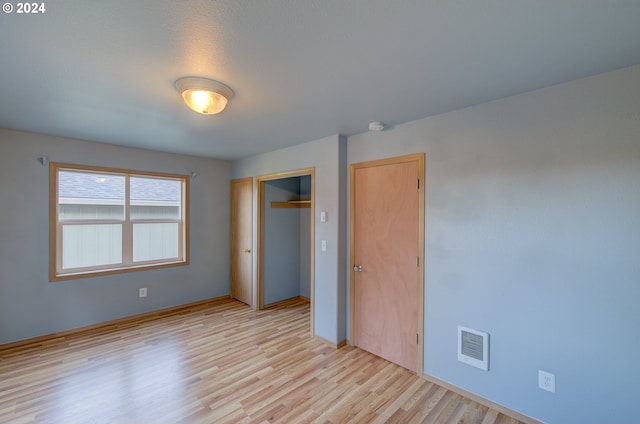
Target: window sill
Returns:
[[54, 277]]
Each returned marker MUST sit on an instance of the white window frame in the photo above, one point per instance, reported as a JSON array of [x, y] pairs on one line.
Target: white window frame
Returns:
[[56, 271]]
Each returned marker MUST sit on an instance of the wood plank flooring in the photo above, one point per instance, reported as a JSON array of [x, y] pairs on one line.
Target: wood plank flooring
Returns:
[[218, 363]]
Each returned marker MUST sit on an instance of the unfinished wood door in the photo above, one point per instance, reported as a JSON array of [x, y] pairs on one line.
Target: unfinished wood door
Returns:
[[386, 253], [241, 239]]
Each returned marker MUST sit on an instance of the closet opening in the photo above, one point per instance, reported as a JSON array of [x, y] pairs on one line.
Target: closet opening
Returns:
[[285, 244]]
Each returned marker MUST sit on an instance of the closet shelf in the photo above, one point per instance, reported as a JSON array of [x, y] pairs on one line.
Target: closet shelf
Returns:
[[292, 204]]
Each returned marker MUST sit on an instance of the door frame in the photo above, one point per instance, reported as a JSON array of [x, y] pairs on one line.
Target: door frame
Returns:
[[420, 159], [231, 218], [260, 182]]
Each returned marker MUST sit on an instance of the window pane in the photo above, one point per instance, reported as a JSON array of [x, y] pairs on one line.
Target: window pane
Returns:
[[92, 212], [91, 245], [85, 195], [155, 198], [153, 241], [155, 212]]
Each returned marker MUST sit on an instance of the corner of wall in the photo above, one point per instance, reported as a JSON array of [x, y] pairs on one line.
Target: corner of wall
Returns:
[[342, 240]]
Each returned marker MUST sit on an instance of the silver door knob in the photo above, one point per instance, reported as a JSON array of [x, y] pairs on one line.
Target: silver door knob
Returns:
[[247, 250], [357, 268]]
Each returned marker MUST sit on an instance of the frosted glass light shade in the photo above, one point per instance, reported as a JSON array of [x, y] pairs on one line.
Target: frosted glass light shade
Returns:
[[203, 95], [204, 102]]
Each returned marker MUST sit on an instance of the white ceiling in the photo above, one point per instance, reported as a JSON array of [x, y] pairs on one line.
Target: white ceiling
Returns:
[[301, 69]]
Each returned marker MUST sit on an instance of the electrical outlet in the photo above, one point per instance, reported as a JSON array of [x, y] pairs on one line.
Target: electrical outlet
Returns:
[[547, 381], [142, 292]]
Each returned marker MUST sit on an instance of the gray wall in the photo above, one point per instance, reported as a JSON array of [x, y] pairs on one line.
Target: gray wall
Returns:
[[305, 238], [281, 242], [533, 235], [32, 306]]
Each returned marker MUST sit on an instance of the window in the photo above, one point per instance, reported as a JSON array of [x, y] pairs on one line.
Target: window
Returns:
[[105, 221]]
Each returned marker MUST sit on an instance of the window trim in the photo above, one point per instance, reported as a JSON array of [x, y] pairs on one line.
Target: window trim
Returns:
[[55, 230]]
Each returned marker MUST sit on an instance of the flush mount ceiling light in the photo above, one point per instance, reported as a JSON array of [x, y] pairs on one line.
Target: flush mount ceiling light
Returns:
[[204, 95]]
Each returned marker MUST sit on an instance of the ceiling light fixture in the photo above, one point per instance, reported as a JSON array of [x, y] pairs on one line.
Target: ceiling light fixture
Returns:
[[204, 95]]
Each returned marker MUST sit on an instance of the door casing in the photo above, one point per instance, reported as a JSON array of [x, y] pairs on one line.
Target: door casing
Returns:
[[260, 180]]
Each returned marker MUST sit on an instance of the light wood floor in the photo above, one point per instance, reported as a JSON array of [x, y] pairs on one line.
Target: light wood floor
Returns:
[[218, 363]]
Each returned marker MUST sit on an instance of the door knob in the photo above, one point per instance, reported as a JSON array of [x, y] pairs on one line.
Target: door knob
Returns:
[[357, 268], [247, 250]]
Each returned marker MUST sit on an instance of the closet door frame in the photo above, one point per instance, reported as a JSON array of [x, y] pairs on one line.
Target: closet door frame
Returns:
[[260, 183]]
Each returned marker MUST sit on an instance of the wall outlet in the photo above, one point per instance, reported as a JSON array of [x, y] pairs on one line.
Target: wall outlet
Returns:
[[142, 292], [547, 381]]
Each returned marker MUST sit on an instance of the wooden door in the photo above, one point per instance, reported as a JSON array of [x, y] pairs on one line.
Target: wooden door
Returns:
[[386, 256], [241, 239]]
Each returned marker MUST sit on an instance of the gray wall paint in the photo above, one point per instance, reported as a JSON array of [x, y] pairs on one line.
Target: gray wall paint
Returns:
[[32, 306], [533, 235], [305, 238], [304, 274], [343, 233], [281, 242], [324, 155]]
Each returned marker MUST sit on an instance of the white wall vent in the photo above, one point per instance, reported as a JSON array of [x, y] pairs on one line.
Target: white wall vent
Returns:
[[473, 347]]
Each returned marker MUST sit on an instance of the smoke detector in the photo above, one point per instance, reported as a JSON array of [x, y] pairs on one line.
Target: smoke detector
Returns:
[[376, 126]]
